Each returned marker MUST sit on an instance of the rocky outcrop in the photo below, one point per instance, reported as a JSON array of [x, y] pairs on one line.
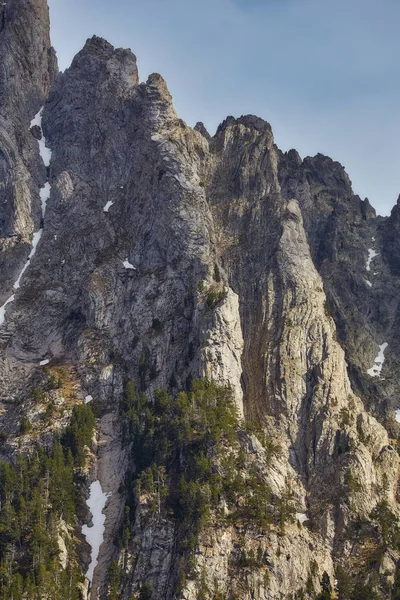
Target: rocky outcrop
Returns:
[[350, 246]]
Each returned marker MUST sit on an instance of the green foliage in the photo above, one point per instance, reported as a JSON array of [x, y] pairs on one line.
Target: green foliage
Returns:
[[79, 432], [327, 310], [35, 494], [217, 274], [380, 533], [272, 450], [364, 592], [55, 382], [251, 560], [364, 439], [188, 458], [113, 579], [346, 418], [25, 425], [214, 297], [172, 438], [310, 589], [396, 584], [352, 483], [345, 583], [37, 396], [326, 588], [145, 592], [388, 525], [49, 412]]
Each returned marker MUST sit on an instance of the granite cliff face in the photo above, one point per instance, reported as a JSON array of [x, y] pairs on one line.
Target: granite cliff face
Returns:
[[28, 68], [168, 255]]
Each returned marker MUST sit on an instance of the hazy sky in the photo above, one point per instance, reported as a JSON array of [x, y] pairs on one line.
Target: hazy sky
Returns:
[[324, 73]]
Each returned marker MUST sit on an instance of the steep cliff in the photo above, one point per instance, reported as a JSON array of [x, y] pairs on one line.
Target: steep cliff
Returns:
[[28, 68], [252, 287]]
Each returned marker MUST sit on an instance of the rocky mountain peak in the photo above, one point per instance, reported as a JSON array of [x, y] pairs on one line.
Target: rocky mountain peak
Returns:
[[248, 121], [330, 172], [99, 61], [200, 127], [294, 157], [198, 348]]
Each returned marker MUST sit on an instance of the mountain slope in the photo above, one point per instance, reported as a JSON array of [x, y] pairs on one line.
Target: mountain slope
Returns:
[[170, 259]]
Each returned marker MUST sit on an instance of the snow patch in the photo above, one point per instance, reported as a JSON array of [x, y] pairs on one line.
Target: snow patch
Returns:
[[368, 283], [88, 399], [94, 534], [3, 309], [108, 205], [45, 152], [375, 371], [397, 415], [128, 265], [44, 362], [371, 255], [35, 241], [44, 196], [37, 119], [302, 517]]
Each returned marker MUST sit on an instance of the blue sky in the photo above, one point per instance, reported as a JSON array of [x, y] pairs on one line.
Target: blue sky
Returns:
[[324, 73]]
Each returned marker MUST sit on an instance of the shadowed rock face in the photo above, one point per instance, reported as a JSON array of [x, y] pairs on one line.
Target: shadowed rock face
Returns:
[[28, 68], [168, 254]]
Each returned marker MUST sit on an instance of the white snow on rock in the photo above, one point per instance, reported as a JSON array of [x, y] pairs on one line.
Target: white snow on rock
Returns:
[[3, 309], [302, 517], [44, 362], [368, 283], [108, 205], [371, 255], [37, 119], [94, 534], [128, 265], [375, 371], [88, 399], [45, 154], [35, 241], [397, 415], [44, 196]]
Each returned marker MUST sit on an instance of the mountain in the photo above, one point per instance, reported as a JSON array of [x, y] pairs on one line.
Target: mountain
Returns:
[[199, 334]]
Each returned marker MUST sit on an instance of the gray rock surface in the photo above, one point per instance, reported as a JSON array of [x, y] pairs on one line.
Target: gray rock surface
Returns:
[[28, 69], [147, 220]]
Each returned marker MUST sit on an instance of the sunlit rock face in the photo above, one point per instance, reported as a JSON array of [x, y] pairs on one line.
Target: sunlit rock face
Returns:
[[166, 255]]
